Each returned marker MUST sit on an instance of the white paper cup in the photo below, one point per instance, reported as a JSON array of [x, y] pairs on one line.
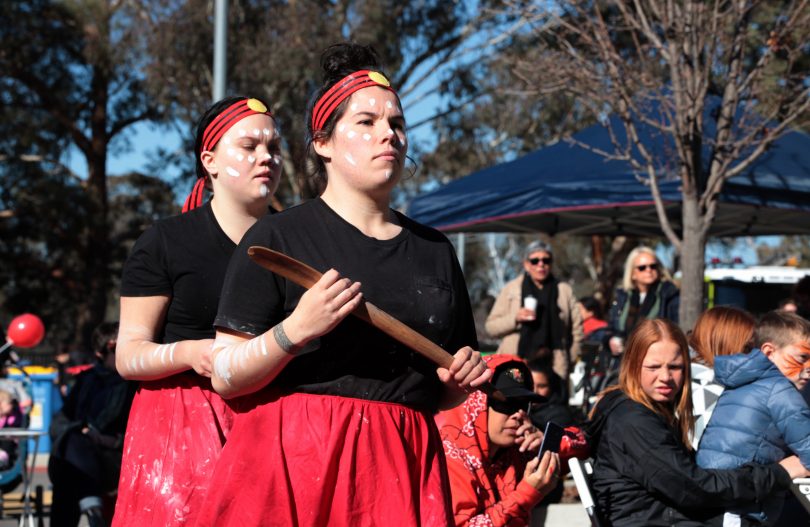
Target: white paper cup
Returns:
[[530, 302]]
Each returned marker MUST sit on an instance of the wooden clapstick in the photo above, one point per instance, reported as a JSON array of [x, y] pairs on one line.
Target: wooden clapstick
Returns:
[[305, 276]]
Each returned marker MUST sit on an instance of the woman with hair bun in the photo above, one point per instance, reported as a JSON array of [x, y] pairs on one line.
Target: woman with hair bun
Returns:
[[334, 422], [169, 293]]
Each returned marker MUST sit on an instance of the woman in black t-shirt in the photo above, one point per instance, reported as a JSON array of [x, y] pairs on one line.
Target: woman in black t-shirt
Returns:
[[169, 295], [334, 426]]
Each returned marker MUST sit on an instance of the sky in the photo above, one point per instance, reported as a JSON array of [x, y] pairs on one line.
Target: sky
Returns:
[[418, 105]]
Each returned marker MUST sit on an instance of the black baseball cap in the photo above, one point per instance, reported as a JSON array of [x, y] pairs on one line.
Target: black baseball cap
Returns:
[[514, 381]]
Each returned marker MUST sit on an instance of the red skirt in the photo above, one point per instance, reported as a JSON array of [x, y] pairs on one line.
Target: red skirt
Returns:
[[176, 430], [310, 461]]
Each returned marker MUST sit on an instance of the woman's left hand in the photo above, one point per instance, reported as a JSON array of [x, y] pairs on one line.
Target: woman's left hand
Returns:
[[528, 436], [467, 372]]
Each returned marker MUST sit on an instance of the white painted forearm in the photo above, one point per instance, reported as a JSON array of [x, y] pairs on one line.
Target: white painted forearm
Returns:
[[138, 357], [242, 365]]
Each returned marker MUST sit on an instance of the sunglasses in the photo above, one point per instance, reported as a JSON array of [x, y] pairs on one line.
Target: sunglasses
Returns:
[[651, 267], [546, 260], [508, 407]]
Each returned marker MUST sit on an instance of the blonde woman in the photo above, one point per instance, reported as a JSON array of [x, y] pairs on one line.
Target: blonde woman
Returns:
[[647, 292]]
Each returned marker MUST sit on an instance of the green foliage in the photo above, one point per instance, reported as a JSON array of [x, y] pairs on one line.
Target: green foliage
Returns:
[[274, 49], [71, 78], [75, 74]]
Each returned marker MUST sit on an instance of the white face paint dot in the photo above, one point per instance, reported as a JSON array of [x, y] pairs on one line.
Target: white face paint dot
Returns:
[[371, 102], [263, 190], [388, 104], [390, 132], [351, 134], [256, 132], [350, 159], [342, 127], [277, 160], [242, 133], [231, 172], [388, 174], [251, 159], [266, 131], [367, 137], [227, 140], [239, 157], [354, 106], [266, 156], [231, 152]]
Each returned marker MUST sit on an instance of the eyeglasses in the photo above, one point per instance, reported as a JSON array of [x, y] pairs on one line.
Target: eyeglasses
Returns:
[[651, 267], [546, 260]]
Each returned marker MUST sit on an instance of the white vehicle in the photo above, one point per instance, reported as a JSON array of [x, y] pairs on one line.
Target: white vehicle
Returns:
[[757, 288]]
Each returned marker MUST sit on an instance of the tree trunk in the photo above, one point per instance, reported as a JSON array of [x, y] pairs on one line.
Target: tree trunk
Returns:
[[693, 250], [97, 250]]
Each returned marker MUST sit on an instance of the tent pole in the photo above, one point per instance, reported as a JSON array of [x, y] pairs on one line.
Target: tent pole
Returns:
[[220, 48], [460, 249]]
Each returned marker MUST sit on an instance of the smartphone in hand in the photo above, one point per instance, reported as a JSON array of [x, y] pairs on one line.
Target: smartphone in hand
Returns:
[[551, 438]]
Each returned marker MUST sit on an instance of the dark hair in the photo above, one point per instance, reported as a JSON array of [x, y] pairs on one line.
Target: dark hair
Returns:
[[555, 382], [103, 335], [209, 115], [786, 302], [801, 292], [780, 329], [592, 305], [337, 61]]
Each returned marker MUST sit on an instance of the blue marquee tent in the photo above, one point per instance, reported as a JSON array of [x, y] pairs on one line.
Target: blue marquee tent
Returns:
[[565, 188]]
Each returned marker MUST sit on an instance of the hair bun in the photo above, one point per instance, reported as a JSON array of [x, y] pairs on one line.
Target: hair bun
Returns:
[[339, 60]]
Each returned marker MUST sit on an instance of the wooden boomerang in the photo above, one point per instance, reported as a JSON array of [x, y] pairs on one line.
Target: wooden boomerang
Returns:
[[305, 276]]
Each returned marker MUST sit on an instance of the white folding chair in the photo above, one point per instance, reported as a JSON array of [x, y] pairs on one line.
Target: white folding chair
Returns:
[[582, 472], [801, 489]]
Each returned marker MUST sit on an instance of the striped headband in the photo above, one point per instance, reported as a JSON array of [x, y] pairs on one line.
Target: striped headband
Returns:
[[214, 132], [341, 90], [229, 117]]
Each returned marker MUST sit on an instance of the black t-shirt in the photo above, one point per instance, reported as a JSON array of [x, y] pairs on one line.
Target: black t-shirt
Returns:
[[414, 276], [184, 257]]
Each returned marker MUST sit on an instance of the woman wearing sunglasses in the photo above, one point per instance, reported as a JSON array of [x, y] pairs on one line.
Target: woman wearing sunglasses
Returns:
[[647, 292], [536, 315]]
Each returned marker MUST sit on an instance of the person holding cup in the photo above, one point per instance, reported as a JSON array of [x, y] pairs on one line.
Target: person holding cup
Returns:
[[536, 316]]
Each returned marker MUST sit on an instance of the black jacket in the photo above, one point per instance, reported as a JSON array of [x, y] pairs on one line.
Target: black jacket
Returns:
[[670, 302], [645, 476]]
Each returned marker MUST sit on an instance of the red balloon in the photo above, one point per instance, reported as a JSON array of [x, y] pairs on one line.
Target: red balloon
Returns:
[[25, 331]]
